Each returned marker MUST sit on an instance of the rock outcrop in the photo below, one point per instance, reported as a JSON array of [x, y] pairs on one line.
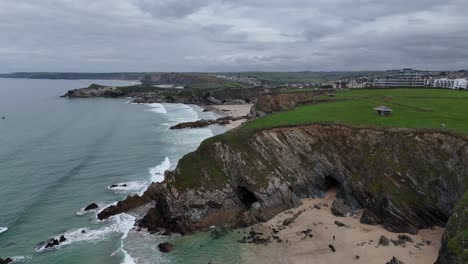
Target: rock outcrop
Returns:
[[340, 208], [5, 261], [454, 249], [404, 179], [165, 247], [91, 207], [394, 260], [276, 102], [204, 123], [150, 94]]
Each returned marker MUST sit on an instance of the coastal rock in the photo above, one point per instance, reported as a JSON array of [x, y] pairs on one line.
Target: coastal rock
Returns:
[[384, 241], [49, 245], [5, 261], [406, 179], [369, 218], [454, 248], [132, 202], [117, 185], [275, 102], [340, 224], [62, 239], [91, 207], [395, 261], [405, 238], [165, 247], [339, 208], [147, 94], [203, 123], [291, 219]]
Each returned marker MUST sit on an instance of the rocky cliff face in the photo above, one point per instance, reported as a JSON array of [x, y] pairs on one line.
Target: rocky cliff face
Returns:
[[276, 102], [404, 179], [454, 247], [150, 94]]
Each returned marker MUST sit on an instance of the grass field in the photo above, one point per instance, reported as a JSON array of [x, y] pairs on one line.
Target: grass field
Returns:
[[412, 108]]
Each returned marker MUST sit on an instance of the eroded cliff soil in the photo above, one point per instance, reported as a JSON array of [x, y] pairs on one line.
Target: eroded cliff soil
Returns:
[[404, 179], [276, 102]]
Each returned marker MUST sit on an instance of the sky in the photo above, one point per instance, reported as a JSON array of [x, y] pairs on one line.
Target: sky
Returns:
[[232, 35]]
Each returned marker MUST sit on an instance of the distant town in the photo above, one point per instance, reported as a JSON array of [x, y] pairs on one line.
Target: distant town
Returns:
[[392, 78]]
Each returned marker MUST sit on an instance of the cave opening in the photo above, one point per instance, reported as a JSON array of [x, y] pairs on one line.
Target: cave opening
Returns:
[[331, 184], [245, 196]]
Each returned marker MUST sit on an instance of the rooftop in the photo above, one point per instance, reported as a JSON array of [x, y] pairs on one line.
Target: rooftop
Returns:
[[383, 108]]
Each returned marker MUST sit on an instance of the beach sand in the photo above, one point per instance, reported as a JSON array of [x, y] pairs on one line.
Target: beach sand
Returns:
[[356, 243], [232, 110]]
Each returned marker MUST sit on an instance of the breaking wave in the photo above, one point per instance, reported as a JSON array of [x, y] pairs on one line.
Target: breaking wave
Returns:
[[157, 108]]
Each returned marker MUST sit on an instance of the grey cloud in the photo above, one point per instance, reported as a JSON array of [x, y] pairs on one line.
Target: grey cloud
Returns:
[[231, 35], [170, 8]]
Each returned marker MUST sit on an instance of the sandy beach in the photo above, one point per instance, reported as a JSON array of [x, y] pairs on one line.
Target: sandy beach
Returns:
[[354, 243], [233, 111]]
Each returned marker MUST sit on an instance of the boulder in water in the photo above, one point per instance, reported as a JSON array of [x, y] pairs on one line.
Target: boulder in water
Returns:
[[5, 261], [49, 245], [91, 207], [62, 239], [165, 247]]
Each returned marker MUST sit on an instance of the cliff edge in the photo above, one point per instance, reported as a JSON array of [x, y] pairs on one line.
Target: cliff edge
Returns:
[[404, 179]]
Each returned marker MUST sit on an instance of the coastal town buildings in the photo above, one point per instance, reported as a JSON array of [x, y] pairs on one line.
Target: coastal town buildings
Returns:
[[451, 83], [404, 78]]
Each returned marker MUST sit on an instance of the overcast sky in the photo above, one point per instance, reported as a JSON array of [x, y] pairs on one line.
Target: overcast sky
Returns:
[[232, 35]]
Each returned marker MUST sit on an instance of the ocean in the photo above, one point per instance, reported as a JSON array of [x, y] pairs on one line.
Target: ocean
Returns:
[[58, 155]]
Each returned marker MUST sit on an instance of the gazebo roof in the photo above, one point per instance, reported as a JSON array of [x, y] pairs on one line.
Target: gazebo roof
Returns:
[[383, 108]]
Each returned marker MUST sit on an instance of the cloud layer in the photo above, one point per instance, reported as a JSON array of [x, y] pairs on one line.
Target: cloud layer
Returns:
[[232, 35]]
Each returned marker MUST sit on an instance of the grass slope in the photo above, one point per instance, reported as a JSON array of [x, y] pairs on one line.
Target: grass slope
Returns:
[[412, 108]]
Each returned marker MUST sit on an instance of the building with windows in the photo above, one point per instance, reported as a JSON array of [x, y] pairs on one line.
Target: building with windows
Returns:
[[451, 83], [404, 78]]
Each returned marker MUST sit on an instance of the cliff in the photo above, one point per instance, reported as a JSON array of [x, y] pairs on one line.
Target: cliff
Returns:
[[404, 179], [277, 102]]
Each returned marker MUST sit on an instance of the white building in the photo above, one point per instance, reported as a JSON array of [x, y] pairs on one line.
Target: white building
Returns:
[[451, 83], [405, 78]]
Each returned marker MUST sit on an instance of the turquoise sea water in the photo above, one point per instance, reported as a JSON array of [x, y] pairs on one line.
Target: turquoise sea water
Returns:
[[58, 155]]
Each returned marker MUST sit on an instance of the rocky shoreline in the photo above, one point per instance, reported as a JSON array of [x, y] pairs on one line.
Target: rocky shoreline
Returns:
[[204, 122], [405, 180], [410, 193]]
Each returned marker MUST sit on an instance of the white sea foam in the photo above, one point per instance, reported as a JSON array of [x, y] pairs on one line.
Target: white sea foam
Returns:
[[121, 223], [157, 108], [157, 172], [20, 259], [3, 229], [127, 258]]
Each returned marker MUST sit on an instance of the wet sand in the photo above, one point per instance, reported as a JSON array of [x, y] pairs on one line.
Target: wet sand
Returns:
[[356, 243]]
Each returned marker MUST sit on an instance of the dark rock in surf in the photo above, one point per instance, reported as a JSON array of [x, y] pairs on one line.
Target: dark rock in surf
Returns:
[[91, 207], [5, 261], [165, 247], [62, 239]]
